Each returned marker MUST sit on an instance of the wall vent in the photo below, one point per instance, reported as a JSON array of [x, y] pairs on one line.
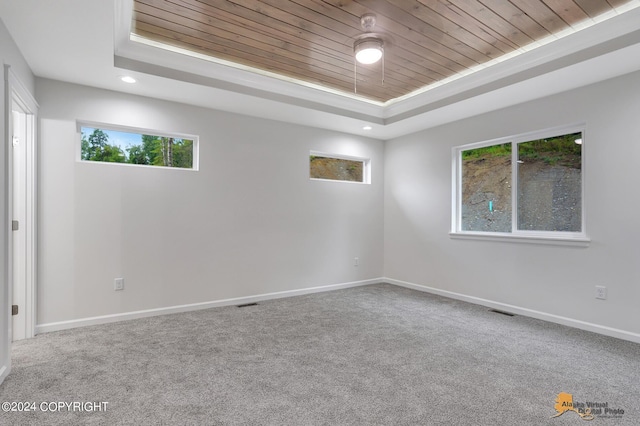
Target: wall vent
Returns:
[[501, 312]]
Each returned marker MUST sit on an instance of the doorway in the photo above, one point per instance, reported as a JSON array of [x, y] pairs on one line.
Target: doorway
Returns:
[[22, 206]]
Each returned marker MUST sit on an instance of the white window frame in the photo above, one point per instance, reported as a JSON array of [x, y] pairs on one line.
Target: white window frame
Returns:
[[142, 131], [366, 167], [516, 235]]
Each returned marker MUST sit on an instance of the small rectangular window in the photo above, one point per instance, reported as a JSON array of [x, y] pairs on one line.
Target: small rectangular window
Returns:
[[526, 186], [338, 168], [111, 144]]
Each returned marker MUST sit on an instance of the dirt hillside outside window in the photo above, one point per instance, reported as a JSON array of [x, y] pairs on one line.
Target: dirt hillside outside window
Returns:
[[336, 169]]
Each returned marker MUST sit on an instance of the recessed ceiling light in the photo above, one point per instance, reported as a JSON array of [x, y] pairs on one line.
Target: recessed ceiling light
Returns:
[[128, 79], [367, 128]]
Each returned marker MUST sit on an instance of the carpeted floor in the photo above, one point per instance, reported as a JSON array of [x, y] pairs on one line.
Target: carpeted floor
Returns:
[[373, 355]]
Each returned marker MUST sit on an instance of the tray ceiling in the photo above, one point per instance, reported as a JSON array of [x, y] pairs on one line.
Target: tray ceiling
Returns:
[[311, 41]]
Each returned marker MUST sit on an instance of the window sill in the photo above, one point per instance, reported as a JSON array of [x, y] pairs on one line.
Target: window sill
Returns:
[[578, 241], [340, 181]]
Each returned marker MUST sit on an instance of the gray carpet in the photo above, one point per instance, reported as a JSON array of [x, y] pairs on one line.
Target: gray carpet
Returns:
[[373, 355]]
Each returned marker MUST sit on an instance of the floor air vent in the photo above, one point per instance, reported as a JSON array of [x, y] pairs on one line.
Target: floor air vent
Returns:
[[247, 304], [501, 312]]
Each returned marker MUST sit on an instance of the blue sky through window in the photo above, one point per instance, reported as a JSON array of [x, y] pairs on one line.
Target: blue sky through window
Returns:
[[122, 139]]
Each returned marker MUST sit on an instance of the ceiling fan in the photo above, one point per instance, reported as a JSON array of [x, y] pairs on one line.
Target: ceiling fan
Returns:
[[368, 47]]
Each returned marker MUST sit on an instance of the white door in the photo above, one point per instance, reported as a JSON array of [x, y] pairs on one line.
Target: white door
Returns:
[[22, 207]]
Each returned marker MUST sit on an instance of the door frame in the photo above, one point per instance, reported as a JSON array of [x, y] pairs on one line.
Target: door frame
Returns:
[[17, 94]]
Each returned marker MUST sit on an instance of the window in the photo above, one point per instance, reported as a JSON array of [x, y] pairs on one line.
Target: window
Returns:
[[526, 186], [338, 168], [110, 144]]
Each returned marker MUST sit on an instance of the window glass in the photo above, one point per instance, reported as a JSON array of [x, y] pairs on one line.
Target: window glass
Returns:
[[115, 146], [550, 183], [486, 189], [323, 167]]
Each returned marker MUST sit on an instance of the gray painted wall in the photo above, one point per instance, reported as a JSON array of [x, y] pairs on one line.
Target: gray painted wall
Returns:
[[553, 280], [249, 222]]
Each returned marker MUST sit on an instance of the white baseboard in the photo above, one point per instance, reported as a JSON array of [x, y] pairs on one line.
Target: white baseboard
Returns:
[[105, 319], [82, 322], [596, 328]]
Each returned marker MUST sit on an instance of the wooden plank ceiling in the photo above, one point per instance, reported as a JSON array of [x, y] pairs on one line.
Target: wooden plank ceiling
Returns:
[[312, 40]]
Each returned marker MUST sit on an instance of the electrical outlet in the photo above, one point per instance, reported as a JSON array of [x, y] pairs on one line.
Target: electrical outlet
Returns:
[[118, 284], [601, 292], [356, 261]]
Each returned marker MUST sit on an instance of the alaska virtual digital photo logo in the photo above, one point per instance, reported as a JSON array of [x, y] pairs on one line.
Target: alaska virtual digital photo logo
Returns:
[[586, 410]]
